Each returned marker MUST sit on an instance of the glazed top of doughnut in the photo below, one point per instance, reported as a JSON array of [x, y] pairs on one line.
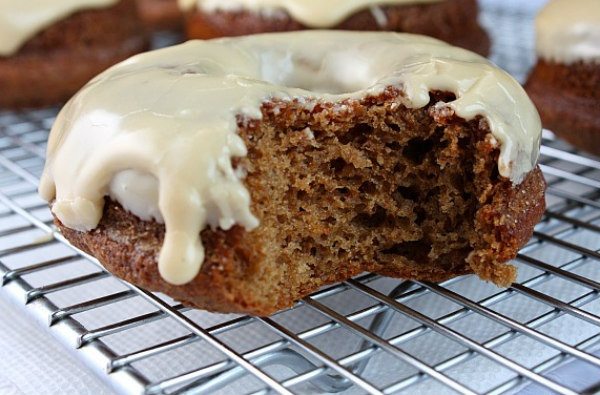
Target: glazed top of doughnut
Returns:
[[311, 13], [569, 31], [20, 20], [158, 132]]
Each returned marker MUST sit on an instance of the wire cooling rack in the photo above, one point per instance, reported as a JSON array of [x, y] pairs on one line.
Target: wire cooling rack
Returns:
[[367, 335]]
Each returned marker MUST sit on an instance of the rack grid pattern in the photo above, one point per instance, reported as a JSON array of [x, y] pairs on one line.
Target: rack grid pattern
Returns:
[[366, 335]]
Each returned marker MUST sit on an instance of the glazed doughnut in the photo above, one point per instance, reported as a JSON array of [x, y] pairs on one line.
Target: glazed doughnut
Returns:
[[238, 175], [46, 58], [453, 21], [565, 83]]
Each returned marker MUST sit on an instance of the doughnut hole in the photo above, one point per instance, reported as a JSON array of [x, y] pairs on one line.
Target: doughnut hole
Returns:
[[339, 72]]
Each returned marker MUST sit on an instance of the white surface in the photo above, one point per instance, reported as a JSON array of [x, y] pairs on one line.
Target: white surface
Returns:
[[32, 362]]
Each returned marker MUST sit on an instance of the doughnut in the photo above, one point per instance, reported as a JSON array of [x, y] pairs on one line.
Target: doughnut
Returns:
[[47, 57], [160, 14], [241, 174], [565, 82], [453, 21]]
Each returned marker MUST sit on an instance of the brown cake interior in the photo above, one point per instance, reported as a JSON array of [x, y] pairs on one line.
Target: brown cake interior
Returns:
[[340, 189]]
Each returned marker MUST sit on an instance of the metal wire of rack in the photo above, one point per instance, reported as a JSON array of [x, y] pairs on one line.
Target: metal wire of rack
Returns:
[[369, 334]]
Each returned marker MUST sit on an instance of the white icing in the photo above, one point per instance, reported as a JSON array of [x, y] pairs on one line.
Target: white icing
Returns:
[[311, 13], [20, 20], [158, 131], [137, 192], [569, 31]]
